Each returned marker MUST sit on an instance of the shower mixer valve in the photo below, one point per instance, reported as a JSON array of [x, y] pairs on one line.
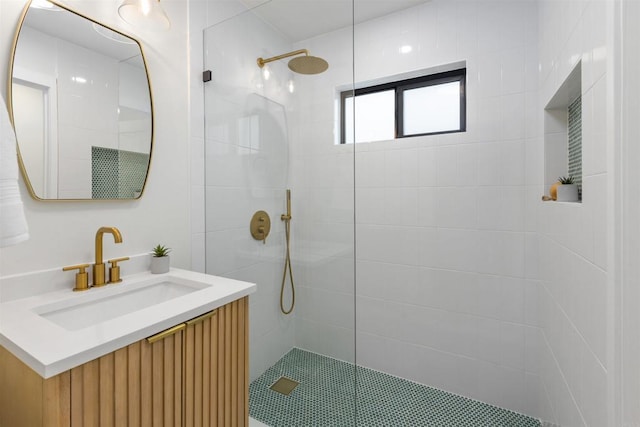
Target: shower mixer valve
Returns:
[[260, 226]]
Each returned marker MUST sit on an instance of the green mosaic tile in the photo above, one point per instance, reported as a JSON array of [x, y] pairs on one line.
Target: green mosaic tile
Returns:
[[104, 173], [117, 174], [326, 397], [133, 172], [575, 140]]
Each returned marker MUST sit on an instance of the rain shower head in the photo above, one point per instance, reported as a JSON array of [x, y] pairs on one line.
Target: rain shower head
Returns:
[[306, 64]]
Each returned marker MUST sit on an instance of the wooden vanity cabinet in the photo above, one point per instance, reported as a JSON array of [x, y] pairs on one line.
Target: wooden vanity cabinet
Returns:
[[197, 376]]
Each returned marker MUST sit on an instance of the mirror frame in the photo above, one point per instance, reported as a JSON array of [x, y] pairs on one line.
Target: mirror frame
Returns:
[[23, 169]]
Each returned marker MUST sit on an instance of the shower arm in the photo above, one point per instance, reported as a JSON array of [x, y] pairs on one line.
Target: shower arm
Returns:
[[262, 61]]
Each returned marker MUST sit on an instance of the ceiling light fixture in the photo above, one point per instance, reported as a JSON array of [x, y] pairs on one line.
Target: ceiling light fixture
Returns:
[[144, 14], [112, 35], [44, 4]]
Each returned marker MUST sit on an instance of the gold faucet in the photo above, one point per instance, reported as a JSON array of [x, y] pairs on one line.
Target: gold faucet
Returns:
[[99, 267]]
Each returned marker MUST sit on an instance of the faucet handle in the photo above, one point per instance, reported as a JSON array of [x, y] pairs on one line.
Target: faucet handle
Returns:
[[114, 270], [82, 277]]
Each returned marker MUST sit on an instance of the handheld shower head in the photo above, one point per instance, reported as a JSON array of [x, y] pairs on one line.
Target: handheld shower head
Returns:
[[287, 216]]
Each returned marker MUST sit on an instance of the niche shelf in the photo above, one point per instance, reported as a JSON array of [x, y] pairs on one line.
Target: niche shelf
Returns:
[[563, 132]]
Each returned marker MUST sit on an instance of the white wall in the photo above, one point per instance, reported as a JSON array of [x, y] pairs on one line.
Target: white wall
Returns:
[[574, 242], [445, 245], [629, 314], [63, 233]]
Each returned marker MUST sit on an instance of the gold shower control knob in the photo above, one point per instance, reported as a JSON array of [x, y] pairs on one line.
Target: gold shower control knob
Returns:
[[260, 226]]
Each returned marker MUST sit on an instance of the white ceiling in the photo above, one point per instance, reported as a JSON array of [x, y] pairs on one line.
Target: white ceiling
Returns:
[[303, 19], [66, 25]]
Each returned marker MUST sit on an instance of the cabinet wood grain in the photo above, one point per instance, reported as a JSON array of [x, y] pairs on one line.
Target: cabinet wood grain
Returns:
[[195, 377]]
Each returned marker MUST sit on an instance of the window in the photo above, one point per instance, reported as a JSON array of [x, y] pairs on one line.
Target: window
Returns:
[[425, 105]]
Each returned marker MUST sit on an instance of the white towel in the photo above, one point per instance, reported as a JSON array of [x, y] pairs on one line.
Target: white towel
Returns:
[[13, 225]]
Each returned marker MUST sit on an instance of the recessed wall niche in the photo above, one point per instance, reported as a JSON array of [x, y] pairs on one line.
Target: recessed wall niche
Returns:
[[563, 132]]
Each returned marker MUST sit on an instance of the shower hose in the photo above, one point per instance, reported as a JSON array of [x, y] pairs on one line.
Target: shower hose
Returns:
[[287, 260]]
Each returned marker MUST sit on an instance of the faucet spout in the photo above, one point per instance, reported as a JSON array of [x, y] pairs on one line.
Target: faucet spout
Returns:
[[99, 268]]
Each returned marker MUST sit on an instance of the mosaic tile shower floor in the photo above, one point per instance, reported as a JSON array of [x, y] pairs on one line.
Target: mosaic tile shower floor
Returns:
[[324, 398]]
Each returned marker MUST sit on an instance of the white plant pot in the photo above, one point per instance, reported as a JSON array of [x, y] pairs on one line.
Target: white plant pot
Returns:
[[568, 193], [160, 265]]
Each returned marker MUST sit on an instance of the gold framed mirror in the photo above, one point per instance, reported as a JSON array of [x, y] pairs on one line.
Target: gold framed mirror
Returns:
[[80, 101]]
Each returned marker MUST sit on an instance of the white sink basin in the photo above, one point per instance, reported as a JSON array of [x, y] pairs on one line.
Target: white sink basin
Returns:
[[52, 329], [112, 301]]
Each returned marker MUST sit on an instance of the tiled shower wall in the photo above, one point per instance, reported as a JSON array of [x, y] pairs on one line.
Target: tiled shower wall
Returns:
[[573, 236], [449, 253], [245, 146], [446, 228]]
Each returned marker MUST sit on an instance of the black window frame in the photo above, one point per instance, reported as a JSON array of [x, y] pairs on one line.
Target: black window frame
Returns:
[[458, 75]]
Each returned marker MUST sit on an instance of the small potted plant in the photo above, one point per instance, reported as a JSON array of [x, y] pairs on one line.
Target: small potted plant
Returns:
[[160, 259], [567, 190]]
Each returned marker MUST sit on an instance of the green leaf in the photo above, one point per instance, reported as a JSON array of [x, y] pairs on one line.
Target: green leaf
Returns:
[[160, 251]]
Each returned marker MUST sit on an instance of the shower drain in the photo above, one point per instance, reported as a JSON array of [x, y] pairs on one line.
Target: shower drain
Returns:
[[284, 385]]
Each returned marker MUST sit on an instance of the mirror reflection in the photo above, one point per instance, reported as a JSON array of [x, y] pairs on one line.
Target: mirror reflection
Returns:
[[81, 106]]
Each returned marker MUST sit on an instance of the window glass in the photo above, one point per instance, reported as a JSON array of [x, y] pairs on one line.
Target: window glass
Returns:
[[374, 117], [432, 109]]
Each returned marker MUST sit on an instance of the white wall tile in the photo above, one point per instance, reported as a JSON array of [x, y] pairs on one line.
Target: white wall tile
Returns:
[[390, 282], [599, 128], [501, 208], [456, 207], [370, 206], [401, 206], [489, 164], [401, 168], [489, 119], [599, 186], [427, 207], [513, 71], [490, 40], [370, 167], [427, 167], [501, 386], [513, 116], [490, 75], [447, 290], [500, 298], [500, 253], [455, 249], [398, 245], [513, 343]]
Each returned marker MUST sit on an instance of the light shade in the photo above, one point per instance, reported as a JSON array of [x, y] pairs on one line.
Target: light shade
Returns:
[[44, 4], [145, 15]]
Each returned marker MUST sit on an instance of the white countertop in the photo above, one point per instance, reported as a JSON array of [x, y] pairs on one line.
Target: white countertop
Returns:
[[50, 349]]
